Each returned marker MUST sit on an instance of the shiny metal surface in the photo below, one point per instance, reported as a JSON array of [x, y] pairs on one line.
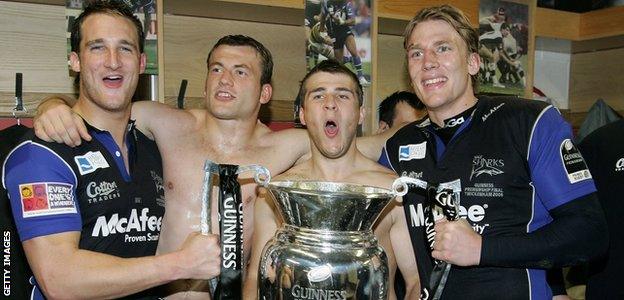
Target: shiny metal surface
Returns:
[[326, 249]]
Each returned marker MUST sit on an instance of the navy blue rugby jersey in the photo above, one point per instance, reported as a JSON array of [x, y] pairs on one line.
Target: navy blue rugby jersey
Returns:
[[516, 161]]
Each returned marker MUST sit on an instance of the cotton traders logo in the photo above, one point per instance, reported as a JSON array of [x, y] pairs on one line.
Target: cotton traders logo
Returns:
[[98, 192], [490, 166]]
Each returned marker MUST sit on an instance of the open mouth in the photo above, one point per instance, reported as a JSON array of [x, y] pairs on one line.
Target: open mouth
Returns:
[[113, 81], [221, 95], [434, 81], [331, 128]]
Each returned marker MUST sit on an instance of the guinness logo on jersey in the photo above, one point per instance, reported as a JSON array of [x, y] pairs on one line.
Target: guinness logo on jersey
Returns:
[[619, 165], [573, 162], [489, 166], [103, 191]]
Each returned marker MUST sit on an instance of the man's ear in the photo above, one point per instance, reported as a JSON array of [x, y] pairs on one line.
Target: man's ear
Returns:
[[74, 61], [362, 115], [383, 126], [266, 93], [473, 63], [142, 63], [302, 116]]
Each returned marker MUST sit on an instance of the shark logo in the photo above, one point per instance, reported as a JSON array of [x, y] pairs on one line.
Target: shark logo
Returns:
[[490, 166]]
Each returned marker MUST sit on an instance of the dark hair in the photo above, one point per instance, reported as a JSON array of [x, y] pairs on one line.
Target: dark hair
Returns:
[[109, 7], [454, 17], [266, 60], [334, 67], [387, 107]]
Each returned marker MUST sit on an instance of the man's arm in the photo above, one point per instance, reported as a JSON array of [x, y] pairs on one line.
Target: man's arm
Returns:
[[265, 225], [63, 270], [404, 254], [371, 145]]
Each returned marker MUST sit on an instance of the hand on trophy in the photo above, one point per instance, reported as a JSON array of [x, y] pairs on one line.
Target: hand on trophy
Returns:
[[200, 256], [457, 243]]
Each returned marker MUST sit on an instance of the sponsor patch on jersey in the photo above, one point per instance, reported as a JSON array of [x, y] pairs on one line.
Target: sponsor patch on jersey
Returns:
[[412, 151], [90, 161], [46, 198], [490, 166], [573, 162]]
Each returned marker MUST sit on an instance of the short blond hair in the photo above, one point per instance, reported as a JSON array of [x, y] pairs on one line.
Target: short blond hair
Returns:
[[454, 17]]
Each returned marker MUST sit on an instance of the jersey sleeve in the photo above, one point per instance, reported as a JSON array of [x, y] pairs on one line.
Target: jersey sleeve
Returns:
[[558, 171], [42, 189]]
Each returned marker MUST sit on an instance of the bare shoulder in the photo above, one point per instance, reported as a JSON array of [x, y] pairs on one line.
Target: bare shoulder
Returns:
[[371, 173], [159, 118], [298, 172]]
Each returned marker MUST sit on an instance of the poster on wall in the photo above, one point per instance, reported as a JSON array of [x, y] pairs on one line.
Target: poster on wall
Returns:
[[503, 47], [144, 10], [340, 30]]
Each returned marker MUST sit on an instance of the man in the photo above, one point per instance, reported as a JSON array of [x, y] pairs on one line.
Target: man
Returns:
[[491, 41], [337, 18], [527, 200], [89, 217], [331, 109], [399, 109], [509, 63], [604, 152]]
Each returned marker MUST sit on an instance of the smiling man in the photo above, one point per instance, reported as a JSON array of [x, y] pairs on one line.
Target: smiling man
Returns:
[[528, 200], [89, 217], [331, 110]]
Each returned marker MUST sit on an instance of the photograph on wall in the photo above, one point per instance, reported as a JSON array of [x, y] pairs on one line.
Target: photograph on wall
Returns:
[[340, 30], [503, 47], [144, 10]]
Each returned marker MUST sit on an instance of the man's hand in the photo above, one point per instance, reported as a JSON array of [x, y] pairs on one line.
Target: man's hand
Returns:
[[200, 256], [457, 243], [56, 122]]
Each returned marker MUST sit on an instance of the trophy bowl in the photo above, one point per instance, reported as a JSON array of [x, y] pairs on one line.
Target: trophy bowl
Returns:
[[326, 248]]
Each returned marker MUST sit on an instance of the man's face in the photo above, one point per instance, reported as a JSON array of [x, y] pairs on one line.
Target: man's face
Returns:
[[439, 65], [331, 112], [109, 61], [233, 89]]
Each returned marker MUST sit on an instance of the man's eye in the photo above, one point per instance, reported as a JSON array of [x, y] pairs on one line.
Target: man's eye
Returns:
[[415, 53], [444, 48]]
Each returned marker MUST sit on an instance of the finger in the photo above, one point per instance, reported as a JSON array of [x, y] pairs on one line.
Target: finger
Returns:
[[71, 131], [61, 128], [51, 131], [82, 128], [40, 132]]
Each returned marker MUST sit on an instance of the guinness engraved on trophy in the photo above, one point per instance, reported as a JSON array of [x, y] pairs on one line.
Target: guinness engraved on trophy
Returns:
[[229, 283], [326, 248]]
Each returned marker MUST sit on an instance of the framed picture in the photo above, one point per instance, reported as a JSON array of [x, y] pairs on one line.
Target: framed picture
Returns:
[[506, 47], [340, 30], [144, 10]]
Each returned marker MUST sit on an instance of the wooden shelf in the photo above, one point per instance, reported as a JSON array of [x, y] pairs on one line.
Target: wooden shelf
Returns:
[[579, 27]]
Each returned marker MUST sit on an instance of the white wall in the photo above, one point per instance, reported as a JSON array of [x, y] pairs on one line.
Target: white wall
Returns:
[[552, 70]]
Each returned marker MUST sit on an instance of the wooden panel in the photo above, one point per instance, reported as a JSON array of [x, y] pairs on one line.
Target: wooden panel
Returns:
[[288, 12], [186, 53], [596, 75], [33, 43], [605, 43], [602, 23], [30, 102], [392, 67], [556, 23], [406, 9]]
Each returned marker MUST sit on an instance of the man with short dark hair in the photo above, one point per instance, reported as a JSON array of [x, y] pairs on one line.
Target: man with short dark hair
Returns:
[[331, 109], [89, 217], [399, 109]]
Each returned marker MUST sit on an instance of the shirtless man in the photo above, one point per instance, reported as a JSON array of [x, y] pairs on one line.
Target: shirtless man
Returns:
[[227, 131], [331, 110]]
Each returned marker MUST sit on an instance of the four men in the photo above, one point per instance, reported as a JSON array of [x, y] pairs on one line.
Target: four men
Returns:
[[525, 217]]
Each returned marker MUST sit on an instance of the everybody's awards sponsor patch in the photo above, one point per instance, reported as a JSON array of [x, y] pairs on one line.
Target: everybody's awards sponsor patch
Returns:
[[46, 198]]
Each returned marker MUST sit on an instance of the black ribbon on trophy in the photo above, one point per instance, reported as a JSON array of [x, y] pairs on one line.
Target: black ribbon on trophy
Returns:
[[229, 284], [442, 198]]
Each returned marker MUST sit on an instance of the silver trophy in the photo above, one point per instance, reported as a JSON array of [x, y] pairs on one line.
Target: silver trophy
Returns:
[[326, 248]]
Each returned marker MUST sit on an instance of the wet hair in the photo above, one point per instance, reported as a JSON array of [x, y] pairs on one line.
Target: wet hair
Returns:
[[333, 67], [266, 60], [387, 107], [454, 17], [108, 7]]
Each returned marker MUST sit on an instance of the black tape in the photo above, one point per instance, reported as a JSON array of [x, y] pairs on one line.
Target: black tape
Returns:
[[231, 229]]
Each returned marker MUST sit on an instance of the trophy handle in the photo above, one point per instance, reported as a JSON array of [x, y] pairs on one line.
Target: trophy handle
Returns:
[[401, 185], [262, 175]]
